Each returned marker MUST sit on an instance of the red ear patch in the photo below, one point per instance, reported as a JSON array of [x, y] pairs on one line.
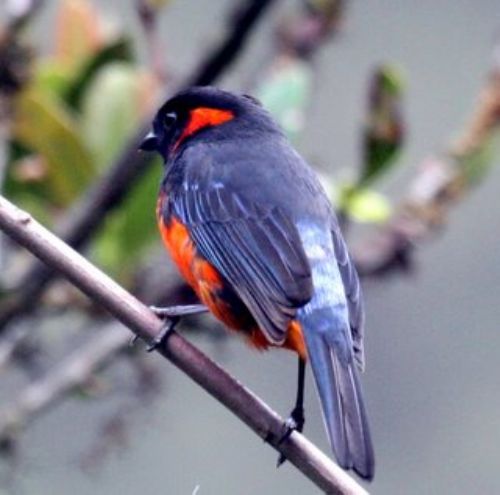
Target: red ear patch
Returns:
[[202, 117]]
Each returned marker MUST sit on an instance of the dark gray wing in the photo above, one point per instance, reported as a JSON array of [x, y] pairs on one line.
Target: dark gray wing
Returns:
[[257, 250]]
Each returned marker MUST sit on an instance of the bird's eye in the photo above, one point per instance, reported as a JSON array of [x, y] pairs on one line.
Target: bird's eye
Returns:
[[169, 120]]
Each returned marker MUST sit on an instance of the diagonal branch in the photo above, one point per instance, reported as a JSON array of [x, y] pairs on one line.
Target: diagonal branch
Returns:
[[75, 369], [131, 312], [243, 21]]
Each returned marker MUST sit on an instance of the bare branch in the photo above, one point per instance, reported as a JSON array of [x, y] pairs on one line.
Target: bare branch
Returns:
[[242, 22], [9, 344], [72, 371], [131, 312]]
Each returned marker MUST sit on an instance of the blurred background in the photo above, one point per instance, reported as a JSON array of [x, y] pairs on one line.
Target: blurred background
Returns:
[[396, 105]]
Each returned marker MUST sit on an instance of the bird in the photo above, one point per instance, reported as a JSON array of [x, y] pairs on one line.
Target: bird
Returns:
[[252, 231]]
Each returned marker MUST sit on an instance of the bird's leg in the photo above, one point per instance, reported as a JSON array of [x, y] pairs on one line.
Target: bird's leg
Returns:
[[296, 419], [172, 315]]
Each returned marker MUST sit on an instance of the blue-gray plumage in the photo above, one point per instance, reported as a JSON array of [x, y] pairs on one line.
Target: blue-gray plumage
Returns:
[[257, 213]]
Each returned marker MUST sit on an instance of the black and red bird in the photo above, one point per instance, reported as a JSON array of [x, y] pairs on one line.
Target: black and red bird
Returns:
[[250, 228]]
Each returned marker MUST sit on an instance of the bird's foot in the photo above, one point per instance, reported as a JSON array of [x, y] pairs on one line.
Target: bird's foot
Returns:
[[294, 422], [163, 334], [172, 315]]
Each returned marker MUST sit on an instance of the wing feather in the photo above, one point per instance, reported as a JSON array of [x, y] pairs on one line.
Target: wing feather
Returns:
[[257, 250]]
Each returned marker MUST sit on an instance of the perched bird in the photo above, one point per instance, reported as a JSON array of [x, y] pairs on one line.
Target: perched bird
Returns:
[[250, 228]]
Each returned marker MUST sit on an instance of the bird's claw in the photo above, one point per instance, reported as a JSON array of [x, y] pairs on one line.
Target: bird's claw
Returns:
[[294, 422], [172, 315], [162, 335]]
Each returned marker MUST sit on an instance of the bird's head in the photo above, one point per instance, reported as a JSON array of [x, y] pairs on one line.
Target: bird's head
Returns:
[[204, 111]]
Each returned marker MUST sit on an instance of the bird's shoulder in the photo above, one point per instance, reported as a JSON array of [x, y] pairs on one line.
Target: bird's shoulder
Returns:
[[264, 171]]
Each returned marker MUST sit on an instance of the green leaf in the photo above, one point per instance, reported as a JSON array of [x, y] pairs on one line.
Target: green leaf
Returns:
[[119, 50], [131, 230], [364, 205], [52, 77], [381, 154], [391, 79], [384, 130], [110, 111], [286, 92], [43, 125]]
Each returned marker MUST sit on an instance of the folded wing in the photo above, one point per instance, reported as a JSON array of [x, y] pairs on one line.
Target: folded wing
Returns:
[[256, 249]]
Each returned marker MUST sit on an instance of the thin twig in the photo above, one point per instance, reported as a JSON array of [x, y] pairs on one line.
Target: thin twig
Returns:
[[242, 22], [131, 312], [85, 217], [9, 344], [72, 371]]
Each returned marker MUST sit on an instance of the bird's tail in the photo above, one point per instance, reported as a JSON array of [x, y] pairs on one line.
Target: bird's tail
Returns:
[[339, 389]]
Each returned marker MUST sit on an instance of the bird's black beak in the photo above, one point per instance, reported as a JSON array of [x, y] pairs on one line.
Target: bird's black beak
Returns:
[[150, 142]]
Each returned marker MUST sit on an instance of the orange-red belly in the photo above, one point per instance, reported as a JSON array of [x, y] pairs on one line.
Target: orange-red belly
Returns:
[[213, 290]]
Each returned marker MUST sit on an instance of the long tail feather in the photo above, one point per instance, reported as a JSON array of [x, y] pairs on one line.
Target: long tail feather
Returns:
[[339, 391]]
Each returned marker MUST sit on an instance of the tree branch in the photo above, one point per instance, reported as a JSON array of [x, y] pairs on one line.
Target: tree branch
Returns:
[[131, 312], [72, 371], [440, 182], [242, 22]]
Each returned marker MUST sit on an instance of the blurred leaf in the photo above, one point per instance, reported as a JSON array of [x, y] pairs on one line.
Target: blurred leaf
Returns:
[[384, 129], [43, 125], [52, 77], [380, 155], [56, 78], [390, 79], [364, 205], [130, 230], [286, 92], [112, 107], [117, 50], [110, 111], [78, 32]]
